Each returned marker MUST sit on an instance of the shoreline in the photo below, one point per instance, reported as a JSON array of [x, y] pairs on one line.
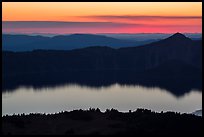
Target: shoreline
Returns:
[[102, 111]]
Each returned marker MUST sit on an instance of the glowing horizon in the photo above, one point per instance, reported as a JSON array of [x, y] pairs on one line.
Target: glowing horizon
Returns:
[[102, 17]]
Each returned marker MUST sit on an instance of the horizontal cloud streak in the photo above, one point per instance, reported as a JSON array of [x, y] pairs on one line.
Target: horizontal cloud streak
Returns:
[[94, 27], [135, 17], [55, 24]]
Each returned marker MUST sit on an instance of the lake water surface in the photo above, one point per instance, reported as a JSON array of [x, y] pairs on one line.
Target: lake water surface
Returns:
[[121, 97]]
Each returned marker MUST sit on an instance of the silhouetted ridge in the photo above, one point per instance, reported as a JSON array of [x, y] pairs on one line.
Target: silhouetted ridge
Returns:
[[61, 42], [88, 35], [173, 62], [82, 36]]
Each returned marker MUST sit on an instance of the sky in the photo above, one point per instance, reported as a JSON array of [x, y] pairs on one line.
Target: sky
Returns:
[[101, 17]]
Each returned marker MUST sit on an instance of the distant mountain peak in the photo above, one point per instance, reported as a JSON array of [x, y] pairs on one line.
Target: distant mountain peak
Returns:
[[178, 37]]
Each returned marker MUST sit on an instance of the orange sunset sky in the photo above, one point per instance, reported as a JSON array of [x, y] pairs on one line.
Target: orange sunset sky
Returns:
[[101, 17]]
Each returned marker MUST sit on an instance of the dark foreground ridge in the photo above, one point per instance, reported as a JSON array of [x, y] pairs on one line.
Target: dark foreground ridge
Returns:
[[110, 122]]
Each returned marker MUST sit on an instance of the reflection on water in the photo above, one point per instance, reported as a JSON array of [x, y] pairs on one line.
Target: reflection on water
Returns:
[[176, 83], [123, 98]]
